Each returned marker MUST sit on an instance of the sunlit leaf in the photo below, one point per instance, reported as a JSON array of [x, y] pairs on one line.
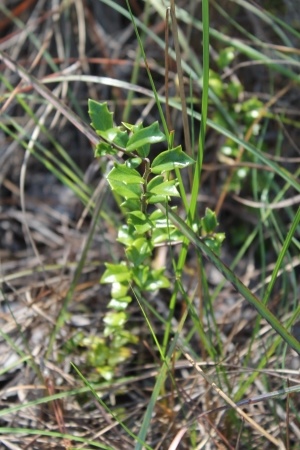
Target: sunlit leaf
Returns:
[[209, 221], [128, 191], [140, 249], [140, 221], [115, 319], [102, 118], [115, 273], [119, 290], [124, 174], [145, 137], [119, 304], [170, 159], [159, 186]]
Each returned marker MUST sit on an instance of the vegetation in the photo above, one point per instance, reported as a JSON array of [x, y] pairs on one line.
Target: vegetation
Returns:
[[149, 225]]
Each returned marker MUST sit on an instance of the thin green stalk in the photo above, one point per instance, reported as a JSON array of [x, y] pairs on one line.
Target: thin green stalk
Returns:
[[53, 434], [233, 279], [136, 66], [197, 172], [288, 241], [204, 108], [160, 380], [158, 104], [103, 404]]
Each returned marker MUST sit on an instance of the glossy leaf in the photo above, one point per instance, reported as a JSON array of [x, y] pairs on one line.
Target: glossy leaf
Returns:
[[131, 127], [226, 56], [125, 181], [103, 149], [140, 275], [170, 159], [132, 204], [153, 199], [115, 273], [119, 304], [124, 337], [102, 118], [140, 221], [156, 280], [128, 191], [115, 319], [150, 280], [126, 235], [115, 135], [166, 236], [158, 186], [145, 137], [119, 290], [213, 244], [209, 221], [160, 219], [133, 163], [125, 174], [139, 251]]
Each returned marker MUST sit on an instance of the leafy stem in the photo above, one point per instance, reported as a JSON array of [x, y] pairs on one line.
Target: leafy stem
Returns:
[[140, 181]]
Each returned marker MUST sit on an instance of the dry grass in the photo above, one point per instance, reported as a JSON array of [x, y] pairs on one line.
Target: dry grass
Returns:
[[58, 227]]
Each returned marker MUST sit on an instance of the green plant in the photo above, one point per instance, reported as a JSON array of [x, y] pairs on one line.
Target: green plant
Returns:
[[138, 185]]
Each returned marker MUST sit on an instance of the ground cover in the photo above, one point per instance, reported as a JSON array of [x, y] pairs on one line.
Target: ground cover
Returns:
[[200, 349]]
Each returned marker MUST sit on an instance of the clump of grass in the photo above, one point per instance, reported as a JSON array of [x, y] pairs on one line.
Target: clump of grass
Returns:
[[227, 84]]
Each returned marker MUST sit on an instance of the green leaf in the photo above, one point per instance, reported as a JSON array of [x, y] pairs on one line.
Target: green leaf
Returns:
[[139, 251], [226, 56], [220, 237], [125, 181], [115, 273], [209, 221], [124, 337], [170, 159], [166, 235], [103, 149], [106, 372], [115, 136], [102, 118], [213, 244], [143, 151], [132, 204], [128, 191], [149, 279], [124, 174], [156, 280], [98, 352], [140, 275], [216, 84], [153, 199], [126, 235], [160, 219], [119, 290], [131, 127], [119, 304], [158, 186], [145, 137], [133, 163], [140, 221], [115, 319], [118, 356]]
